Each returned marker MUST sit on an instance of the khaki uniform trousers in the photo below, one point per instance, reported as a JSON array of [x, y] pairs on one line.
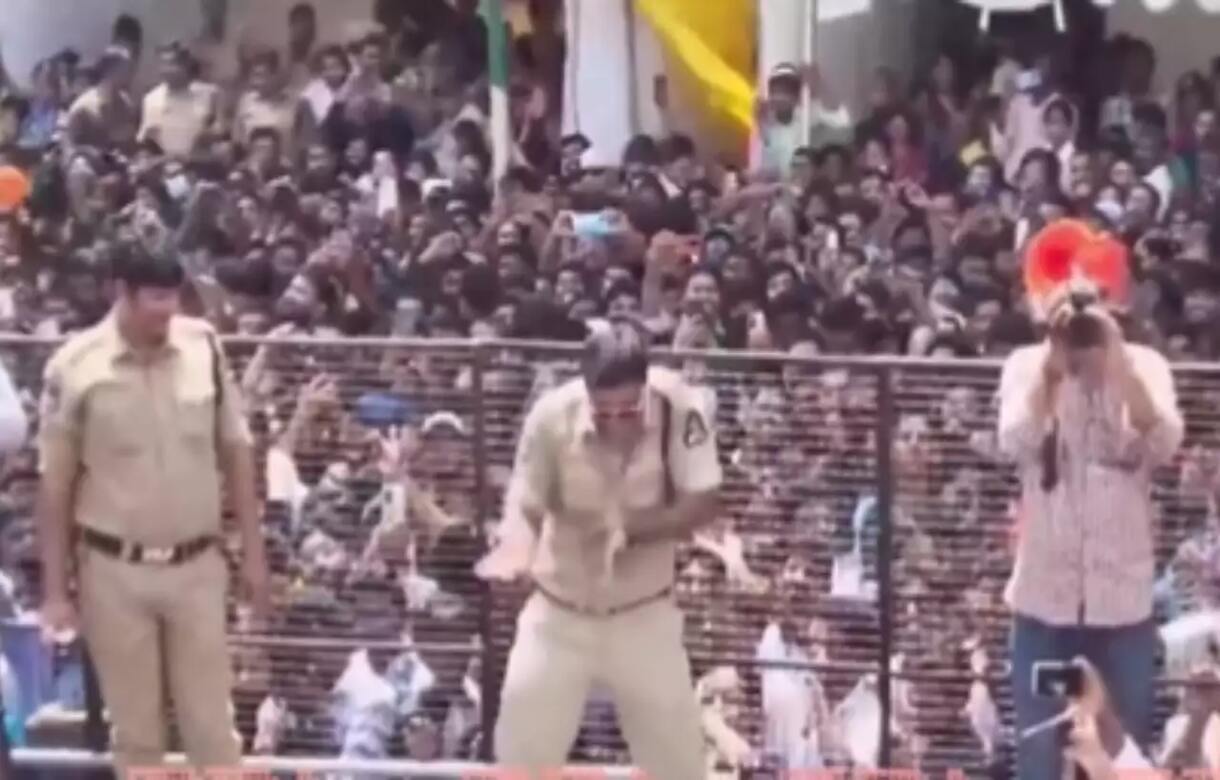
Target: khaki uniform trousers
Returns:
[[147, 625], [637, 655]]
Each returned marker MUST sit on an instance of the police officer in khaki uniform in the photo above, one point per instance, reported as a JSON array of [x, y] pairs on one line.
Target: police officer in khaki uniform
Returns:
[[139, 420], [624, 446]]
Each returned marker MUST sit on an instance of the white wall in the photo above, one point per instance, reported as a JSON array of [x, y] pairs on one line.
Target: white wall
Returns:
[[33, 29], [1184, 37], [850, 48]]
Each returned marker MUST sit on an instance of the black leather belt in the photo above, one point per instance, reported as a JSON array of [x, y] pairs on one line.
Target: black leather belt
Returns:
[[563, 603], [131, 552]]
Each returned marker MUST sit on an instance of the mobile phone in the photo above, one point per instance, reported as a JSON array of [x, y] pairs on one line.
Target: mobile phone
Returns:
[[591, 225], [1028, 79], [1058, 679]]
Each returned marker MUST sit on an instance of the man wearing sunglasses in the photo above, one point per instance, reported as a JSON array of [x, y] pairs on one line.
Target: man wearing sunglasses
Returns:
[[624, 446]]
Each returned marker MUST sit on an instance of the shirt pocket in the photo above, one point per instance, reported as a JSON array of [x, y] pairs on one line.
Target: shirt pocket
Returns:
[[196, 417], [581, 485], [115, 428]]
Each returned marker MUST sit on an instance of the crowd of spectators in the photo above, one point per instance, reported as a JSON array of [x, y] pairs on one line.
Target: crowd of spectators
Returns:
[[317, 190]]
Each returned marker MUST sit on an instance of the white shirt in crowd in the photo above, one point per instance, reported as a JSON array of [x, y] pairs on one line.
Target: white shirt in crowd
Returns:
[[1085, 554]]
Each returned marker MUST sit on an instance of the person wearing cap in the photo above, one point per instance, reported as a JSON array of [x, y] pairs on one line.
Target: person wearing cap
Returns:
[[623, 447], [139, 419], [781, 131]]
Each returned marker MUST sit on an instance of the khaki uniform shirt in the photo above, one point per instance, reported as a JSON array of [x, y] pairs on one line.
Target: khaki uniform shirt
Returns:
[[177, 119], [134, 442], [564, 473]]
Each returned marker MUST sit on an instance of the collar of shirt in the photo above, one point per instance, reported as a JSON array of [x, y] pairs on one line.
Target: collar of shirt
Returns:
[[122, 349]]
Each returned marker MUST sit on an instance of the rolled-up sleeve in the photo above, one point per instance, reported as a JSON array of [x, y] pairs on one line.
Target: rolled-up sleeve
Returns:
[[534, 466], [59, 429], [1019, 435], [14, 425], [232, 429], [1157, 445]]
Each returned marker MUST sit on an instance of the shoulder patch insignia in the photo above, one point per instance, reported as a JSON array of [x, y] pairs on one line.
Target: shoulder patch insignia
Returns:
[[694, 430]]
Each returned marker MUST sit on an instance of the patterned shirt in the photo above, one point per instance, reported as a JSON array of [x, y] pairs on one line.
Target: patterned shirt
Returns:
[[1085, 555]]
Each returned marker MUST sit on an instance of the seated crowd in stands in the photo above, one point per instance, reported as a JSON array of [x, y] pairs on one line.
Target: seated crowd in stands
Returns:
[[317, 190]]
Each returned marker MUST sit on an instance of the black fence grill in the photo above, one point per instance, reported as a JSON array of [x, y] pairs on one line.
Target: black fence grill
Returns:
[[863, 550]]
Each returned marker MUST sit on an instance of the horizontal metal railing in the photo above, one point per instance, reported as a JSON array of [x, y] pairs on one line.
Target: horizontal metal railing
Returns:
[[808, 443]]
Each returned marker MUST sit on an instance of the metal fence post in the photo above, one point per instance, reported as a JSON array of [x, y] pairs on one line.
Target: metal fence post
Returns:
[[488, 673], [884, 435]]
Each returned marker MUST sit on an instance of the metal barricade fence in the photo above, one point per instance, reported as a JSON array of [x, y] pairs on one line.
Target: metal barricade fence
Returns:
[[859, 561]]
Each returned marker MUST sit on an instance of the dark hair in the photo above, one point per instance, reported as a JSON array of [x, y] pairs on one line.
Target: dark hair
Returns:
[[330, 50], [137, 267], [1152, 194], [676, 147], [1048, 159], [642, 149], [621, 288], [127, 28], [1150, 115], [303, 10], [268, 57], [481, 289], [616, 355], [1061, 106]]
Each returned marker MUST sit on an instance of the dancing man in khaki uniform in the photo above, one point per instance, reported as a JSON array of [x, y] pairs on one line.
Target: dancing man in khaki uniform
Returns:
[[139, 418], [623, 448]]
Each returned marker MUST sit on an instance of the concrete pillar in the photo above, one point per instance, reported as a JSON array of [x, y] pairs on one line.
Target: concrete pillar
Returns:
[[598, 84]]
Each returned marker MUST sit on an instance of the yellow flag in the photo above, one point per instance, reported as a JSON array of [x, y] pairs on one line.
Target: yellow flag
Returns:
[[709, 47]]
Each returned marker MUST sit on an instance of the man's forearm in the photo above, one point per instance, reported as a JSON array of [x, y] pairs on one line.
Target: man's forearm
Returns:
[[1140, 405], [53, 512], [239, 473], [676, 523]]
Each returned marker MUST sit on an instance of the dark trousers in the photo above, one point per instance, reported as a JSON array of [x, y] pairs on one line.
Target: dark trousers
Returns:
[[1126, 658]]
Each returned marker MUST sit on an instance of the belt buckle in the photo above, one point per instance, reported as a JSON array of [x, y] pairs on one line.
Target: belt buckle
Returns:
[[159, 555]]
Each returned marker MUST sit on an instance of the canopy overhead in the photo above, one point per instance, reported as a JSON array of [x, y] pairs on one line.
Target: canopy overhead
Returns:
[[988, 7]]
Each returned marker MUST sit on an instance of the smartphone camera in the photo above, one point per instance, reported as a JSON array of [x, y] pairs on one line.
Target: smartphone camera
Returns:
[[1058, 679]]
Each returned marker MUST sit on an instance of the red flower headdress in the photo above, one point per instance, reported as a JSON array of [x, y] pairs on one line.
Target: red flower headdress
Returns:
[[1069, 249]]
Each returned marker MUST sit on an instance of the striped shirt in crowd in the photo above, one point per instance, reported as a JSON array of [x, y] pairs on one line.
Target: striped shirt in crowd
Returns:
[[1085, 555]]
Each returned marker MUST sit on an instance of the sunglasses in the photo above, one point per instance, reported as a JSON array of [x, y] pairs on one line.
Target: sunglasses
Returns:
[[612, 413]]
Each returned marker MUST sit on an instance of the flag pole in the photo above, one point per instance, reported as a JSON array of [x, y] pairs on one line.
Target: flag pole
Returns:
[[497, 71]]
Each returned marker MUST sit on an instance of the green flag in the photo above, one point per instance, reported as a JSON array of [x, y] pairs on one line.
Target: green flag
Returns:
[[497, 70]]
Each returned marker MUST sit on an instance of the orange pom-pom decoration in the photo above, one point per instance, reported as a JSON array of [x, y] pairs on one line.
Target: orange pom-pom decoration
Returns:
[[14, 188], [1068, 247]]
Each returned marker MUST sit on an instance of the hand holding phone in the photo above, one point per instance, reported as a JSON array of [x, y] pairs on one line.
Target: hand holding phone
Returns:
[[1058, 679]]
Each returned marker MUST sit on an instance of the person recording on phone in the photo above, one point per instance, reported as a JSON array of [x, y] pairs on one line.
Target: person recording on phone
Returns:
[[1096, 745], [1087, 416]]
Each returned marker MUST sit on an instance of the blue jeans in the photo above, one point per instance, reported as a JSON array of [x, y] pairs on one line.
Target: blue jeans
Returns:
[[1126, 658]]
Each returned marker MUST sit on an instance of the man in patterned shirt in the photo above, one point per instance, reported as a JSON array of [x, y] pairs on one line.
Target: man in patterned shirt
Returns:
[[1087, 421]]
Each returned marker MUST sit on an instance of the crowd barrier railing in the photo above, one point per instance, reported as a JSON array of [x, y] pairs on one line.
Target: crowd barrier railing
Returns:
[[869, 516]]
